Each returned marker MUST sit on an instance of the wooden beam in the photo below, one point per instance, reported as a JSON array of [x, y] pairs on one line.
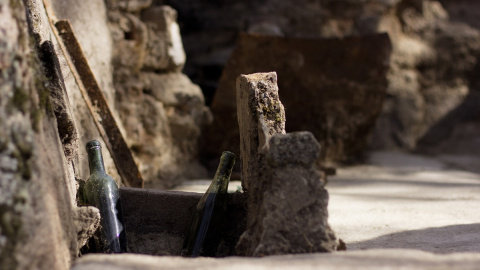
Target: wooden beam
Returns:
[[98, 107]]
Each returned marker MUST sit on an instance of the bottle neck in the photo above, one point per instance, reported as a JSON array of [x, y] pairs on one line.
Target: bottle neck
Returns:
[[224, 170], [95, 159]]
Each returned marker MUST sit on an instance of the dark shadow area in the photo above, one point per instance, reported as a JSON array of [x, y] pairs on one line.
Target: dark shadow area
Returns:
[[443, 135], [463, 11], [448, 239]]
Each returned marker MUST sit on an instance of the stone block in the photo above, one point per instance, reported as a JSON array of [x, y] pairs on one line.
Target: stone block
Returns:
[[86, 220], [164, 48]]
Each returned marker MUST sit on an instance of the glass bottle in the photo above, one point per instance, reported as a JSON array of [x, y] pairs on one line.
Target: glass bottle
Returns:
[[102, 192], [202, 237]]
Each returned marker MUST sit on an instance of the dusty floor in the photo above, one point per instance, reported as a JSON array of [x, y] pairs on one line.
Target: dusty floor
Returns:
[[397, 206], [406, 201]]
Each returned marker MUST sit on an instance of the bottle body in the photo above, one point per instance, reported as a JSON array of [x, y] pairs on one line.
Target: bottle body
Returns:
[[102, 192], [202, 237]]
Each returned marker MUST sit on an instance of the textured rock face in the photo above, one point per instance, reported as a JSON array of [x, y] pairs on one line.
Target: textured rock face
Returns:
[[295, 203], [433, 59], [435, 54], [334, 88], [161, 109], [458, 46], [286, 200], [260, 115], [34, 197]]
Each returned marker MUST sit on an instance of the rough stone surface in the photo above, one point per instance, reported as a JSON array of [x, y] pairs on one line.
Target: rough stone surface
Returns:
[[292, 215], [286, 200], [300, 149], [34, 198], [162, 111], [432, 72], [164, 48], [365, 259], [261, 114], [332, 87], [59, 99], [163, 115], [87, 220]]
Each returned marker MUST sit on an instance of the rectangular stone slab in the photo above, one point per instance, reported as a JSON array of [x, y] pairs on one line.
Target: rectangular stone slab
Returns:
[[261, 115]]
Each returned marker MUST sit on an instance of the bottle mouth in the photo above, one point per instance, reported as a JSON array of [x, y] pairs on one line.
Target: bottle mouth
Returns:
[[93, 144]]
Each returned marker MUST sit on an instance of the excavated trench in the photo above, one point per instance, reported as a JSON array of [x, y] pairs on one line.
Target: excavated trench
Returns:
[[157, 221]]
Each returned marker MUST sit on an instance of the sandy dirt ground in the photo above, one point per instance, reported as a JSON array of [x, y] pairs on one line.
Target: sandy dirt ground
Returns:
[[406, 201]]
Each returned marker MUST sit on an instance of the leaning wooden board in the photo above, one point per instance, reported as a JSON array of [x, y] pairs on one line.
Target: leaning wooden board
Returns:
[[98, 106]]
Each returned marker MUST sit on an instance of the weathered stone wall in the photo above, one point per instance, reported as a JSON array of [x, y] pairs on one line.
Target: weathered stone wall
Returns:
[[135, 52], [435, 53], [37, 229], [161, 109], [458, 50]]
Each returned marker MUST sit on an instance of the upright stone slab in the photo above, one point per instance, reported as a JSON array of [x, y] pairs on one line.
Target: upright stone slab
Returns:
[[286, 200], [260, 115]]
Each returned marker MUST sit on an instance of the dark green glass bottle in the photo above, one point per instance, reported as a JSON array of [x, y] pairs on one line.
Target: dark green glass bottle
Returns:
[[202, 237], [101, 191]]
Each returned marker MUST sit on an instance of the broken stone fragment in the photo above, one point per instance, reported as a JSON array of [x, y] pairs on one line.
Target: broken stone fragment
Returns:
[[286, 198], [86, 220]]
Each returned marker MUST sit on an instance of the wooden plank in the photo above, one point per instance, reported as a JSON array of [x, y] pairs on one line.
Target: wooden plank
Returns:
[[99, 109]]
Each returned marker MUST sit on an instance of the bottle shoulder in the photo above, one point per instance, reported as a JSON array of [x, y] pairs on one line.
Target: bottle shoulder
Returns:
[[99, 178]]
